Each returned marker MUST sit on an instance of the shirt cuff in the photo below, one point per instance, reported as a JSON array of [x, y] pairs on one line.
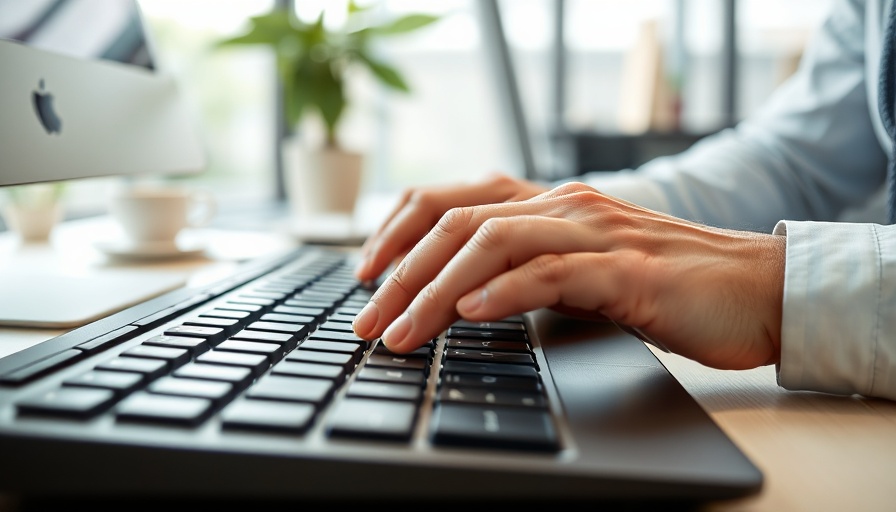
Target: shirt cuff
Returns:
[[838, 328]]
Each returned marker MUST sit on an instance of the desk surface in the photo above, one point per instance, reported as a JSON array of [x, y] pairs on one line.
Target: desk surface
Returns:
[[818, 452]]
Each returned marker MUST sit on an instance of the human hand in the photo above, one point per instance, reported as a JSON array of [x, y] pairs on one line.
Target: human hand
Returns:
[[709, 294], [419, 209]]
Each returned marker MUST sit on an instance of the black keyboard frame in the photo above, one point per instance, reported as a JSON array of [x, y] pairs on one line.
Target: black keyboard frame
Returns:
[[160, 458]]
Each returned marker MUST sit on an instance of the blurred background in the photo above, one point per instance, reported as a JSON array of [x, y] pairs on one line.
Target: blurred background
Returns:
[[534, 88]]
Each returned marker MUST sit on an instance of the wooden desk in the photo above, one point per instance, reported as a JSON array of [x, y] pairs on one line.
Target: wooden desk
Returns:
[[818, 452]]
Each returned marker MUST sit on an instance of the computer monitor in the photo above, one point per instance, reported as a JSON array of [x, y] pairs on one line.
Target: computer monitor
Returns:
[[81, 103]]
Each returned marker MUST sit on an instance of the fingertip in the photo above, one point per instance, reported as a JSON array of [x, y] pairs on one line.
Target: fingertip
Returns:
[[366, 320], [472, 302]]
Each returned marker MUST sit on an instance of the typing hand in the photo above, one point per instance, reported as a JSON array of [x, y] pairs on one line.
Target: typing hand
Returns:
[[709, 294], [418, 211]]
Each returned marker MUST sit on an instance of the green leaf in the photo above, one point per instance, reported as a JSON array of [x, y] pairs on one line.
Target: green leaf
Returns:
[[387, 74], [405, 24], [354, 8], [267, 29]]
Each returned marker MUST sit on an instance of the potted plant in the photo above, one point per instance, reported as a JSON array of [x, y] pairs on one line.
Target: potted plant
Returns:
[[314, 62]]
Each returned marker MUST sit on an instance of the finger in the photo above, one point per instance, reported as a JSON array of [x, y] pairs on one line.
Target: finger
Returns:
[[397, 238], [423, 263], [582, 281], [418, 212], [500, 244]]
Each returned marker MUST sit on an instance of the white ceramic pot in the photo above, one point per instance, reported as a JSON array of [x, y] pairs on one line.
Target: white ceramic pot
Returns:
[[32, 223], [322, 180]]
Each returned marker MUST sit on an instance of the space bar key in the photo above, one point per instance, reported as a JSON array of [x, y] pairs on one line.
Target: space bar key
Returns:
[[495, 426]]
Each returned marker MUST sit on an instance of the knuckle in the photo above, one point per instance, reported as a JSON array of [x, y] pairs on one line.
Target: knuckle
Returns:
[[500, 179], [493, 233], [550, 268], [397, 281], [455, 220], [432, 294], [420, 197], [573, 187], [409, 196]]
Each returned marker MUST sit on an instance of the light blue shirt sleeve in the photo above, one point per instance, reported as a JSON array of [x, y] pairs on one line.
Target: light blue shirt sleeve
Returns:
[[813, 152]]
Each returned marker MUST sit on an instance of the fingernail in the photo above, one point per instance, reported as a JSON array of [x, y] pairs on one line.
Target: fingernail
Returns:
[[366, 320], [470, 302], [398, 331]]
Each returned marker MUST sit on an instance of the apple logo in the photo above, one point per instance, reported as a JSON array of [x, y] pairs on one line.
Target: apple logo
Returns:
[[43, 106]]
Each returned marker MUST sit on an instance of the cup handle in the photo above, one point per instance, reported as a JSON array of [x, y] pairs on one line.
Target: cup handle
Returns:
[[203, 208]]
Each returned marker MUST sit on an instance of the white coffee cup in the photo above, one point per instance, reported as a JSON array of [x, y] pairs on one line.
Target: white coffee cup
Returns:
[[155, 215]]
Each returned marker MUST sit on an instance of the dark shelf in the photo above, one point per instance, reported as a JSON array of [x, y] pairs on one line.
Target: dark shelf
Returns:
[[595, 151]]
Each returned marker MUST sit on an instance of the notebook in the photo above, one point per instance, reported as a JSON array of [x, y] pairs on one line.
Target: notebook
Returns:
[[254, 389]]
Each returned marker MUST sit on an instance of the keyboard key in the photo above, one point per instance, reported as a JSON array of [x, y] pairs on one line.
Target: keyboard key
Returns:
[[119, 382], [392, 375], [234, 306], [294, 330], [151, 368], [259, 294], [292, 389], [331, 325], [327, 306], [257, 363], [344, 337], [318, 296], [504, 346], [212, 334], [216, 391], [383, 390], [314, 313], [490, 326], [254, 301], [344, 360], [288, 319], [272, 337], [341, 317], [369, 418], [491, 381], [334, 346], [265, 415], [303, 369], [143, 406], [223, 313], [396, 361], [194, 345], [175, 356], [513, 370], [349, 310], [463, 332], [493, 426], [423, 352], [274, 351], [491, 356], [68, 401], [239, 376], [228, 324], [495, 396]]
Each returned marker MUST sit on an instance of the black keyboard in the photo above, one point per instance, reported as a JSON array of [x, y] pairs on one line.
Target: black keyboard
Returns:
[[274, 354]]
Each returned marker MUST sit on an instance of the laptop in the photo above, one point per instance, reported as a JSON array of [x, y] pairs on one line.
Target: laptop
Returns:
[[255, 389]]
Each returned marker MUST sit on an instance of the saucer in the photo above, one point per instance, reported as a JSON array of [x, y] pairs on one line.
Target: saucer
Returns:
[[155, 250]]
